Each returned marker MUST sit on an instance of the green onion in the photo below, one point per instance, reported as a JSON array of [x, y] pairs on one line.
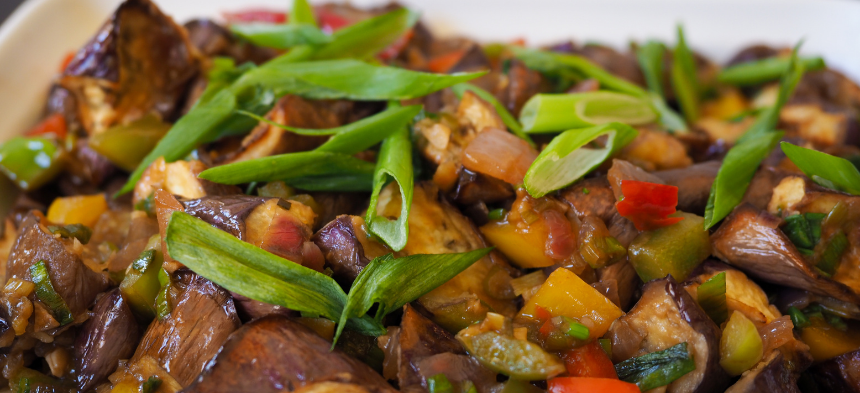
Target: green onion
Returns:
[[606, 344], [840, 173], [656, 369], [496, 214], [558, 112], [77, 231], [650, 58], [151, 385], [364, 39], [302, 13], [767, 118], [576, 329], [46, 293], [836, 322], [765, 70], [248, 270], [832, 254], [556, 62], [733, 178], [280, 36], [565, 159], [394, 282], [348, 79], [798, 318], [162, 300], [684, 79], [507, 118], [439, 383], [814, 311], [395, 162], [815, 220], [799, 231], [712, 298], [297, 169]]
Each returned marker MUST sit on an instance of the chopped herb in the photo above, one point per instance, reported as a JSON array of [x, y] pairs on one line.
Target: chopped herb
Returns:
[[585, 191], [151, 385], [576, 329], [656, 369], [496, 214], [712, 298], [798, 318], [764, 70]]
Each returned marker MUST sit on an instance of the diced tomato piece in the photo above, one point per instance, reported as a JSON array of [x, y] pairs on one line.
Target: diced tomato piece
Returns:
[[648, 205], [256, 15], [590, 385], [54, 124], [561, 241], [589, 360]]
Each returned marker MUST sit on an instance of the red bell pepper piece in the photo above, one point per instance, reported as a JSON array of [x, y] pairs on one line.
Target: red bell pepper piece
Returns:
[[329, 21], [648, 205], [66, 61], [590, 385], [396, 47], [256, 15], [443, 63], [54, 124], [589, 360]]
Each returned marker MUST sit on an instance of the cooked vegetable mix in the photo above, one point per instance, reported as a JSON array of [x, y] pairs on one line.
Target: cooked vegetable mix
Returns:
[[334, 199]]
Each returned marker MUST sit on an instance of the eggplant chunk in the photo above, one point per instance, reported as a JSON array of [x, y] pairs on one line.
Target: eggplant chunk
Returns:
[[772, 374], [202, 317], [140, 62], [213, 40], [275, 354], [346, 247], [73, 281], [421, 349], [752, 241], [667, 315], [439, 228], [840, 374], [761, 188], [694, 184], [227, 213], [742, 294], [110, 335]]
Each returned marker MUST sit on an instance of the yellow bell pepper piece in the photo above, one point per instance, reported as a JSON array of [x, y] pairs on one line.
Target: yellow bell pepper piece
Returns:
[[827, 342], [524, 248], [81, 209], [565, 294]]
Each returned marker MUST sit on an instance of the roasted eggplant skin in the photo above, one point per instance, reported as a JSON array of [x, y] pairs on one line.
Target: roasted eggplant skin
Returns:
[[770, 375], [110, 335], [840, 374], [226, 213], [750, 240], [202, 317], [675, 300], [275, 354]]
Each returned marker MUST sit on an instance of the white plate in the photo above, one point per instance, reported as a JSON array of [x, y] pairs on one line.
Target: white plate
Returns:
[[38, 35]]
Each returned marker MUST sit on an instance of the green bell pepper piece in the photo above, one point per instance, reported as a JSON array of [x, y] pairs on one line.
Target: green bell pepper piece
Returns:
[[140, 286], [676, 249], [30, 162]]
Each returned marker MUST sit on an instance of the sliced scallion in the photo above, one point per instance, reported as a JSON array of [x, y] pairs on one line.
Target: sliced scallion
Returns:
[[684, 79], [798, 318], [657, 369], [559, 112], [764, 70], [46, 293], [840, 173], [280, 36], [712, 298]]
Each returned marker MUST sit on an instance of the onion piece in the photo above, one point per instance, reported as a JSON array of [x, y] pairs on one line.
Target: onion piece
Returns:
[[499, 154]]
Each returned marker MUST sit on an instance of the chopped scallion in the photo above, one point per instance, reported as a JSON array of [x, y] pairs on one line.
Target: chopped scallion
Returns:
[[496, 214], [575, 329], [798, 318], [712, 298], [657, 369]]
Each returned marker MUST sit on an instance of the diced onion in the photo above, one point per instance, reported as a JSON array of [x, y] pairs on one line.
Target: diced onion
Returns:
[[499, 154]]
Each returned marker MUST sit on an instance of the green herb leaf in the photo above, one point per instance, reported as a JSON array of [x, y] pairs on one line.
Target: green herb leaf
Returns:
[[365, 39], [348, 79], [684, 79], [764, 70], [712, 298], [557, 63], [558, 112], [302, 13], [657, 368], [507, 117], [280, 36], [46, 293], [248, 270], [291, 166], [395, 162], [650, 58], [394, 282], [797, 317], [668, 117], [733, 178], [838, 171], [565, 159]]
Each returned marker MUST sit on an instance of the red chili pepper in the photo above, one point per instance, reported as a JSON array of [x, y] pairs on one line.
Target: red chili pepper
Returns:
[[443, 63], [54, 124], [66, 61], [542, 314], [589, 360], [648, 205], [590, 385], [331, 22], [547, 328], [256, 15]]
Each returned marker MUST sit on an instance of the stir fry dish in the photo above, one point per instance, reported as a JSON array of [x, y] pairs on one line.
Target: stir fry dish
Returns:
[[333, 199]]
